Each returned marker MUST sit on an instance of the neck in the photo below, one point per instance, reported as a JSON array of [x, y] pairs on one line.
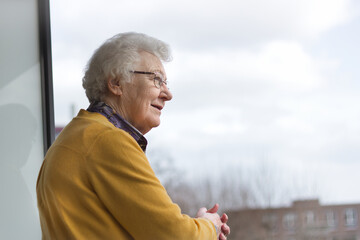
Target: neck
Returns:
[[115, 103]]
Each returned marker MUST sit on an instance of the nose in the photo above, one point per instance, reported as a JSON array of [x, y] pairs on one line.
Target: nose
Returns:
[[165, 93]]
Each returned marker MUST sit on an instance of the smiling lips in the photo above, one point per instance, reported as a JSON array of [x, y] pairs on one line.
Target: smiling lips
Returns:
[[157, 106]]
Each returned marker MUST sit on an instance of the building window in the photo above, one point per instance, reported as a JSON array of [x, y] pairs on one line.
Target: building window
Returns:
[[269, 222], [350, 217], [309, 217], [330, 219], [289, 221]]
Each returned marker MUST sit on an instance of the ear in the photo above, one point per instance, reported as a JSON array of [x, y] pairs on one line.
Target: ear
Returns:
[[114, 86]]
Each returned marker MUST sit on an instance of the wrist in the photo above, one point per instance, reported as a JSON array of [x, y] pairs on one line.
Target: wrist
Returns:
[[216, 229]]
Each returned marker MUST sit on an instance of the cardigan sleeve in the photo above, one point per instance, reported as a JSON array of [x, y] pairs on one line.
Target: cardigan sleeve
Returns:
[[127, 186]]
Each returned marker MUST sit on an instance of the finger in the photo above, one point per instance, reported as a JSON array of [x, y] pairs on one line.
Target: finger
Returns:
[[222, 236], [214, 209], [224, 218], [225, 229], [201, 212]]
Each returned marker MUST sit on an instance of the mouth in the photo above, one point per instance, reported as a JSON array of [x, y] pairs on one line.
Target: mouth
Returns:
[[157, 106]]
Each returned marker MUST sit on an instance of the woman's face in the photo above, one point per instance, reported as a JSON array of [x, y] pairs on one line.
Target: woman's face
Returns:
[[141, 100]]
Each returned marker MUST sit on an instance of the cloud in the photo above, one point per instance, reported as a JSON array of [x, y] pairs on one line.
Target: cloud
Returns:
[[278, 99], [199, 24], [246, 76]]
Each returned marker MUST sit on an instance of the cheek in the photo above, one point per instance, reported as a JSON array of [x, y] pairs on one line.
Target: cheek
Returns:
[[145, 97], [144, 103], [149, 96]]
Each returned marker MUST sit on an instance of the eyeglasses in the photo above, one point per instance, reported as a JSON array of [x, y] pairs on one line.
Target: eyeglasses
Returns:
[[158, 78]]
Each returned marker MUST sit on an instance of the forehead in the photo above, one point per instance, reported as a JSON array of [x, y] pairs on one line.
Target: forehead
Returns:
[[149, 62]]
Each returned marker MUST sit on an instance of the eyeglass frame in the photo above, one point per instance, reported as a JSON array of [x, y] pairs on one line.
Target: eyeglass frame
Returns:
[[157, 75]]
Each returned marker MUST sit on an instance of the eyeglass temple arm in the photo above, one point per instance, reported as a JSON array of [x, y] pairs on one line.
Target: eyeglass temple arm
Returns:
[[141, 72]]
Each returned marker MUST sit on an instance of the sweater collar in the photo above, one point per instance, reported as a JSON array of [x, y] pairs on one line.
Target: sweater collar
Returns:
[[118, 121]]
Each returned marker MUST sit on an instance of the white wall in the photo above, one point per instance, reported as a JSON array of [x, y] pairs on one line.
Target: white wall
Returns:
[[21, 141]]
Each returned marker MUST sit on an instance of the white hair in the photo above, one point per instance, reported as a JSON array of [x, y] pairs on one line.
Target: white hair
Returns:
[[116, 57]]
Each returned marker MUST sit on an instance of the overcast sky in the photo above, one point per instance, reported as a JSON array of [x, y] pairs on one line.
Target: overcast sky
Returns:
[[259, 82]]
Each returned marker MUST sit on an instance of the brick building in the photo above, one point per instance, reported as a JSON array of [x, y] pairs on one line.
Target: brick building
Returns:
[[304, 220]]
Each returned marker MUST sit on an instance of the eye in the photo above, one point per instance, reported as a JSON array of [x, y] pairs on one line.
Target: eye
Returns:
[[159, 80], [156, 78]]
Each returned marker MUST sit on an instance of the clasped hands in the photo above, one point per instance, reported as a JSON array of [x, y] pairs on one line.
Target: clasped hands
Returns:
[[220, 222]]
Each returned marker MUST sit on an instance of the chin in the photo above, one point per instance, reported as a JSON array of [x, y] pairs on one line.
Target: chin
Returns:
[[156, 124]]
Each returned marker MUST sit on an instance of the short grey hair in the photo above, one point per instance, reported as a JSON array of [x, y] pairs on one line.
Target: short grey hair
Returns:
[[116, 57]]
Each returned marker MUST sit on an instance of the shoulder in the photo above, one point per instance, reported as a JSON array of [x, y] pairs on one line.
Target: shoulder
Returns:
[[87, 130], [114, 145], [115, 139]]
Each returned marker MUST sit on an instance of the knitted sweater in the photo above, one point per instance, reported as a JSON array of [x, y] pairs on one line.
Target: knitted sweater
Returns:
[[96, 183]]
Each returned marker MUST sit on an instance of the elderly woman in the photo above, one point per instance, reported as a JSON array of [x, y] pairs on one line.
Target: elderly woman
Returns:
[[96, 182]]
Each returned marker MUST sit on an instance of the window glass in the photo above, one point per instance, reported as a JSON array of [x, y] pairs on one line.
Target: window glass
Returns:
[[350, 217], [264, 110], [330, 219], [21, 136], [269, 222], [309, 217], [289, 221]]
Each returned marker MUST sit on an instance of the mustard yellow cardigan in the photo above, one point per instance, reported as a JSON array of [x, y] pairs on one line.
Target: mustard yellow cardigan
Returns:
[[96, 183]]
